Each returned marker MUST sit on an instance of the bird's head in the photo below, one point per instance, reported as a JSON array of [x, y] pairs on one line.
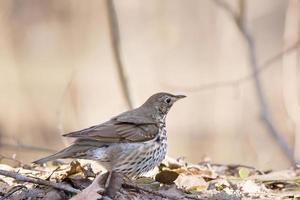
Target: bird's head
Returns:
[[162, 102]]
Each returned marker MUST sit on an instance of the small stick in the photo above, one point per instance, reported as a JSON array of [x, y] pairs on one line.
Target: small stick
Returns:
[[20, 177]]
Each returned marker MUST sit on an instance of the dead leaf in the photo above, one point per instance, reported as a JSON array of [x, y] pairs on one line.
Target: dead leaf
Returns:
[[191, 183], [75, 169], [166, 177]]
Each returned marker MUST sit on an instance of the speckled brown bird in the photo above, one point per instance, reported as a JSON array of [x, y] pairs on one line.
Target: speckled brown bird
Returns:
[[131, 143]]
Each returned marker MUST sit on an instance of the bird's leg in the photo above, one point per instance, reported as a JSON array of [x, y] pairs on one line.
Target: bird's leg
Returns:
[[115, 183], [94, 190]]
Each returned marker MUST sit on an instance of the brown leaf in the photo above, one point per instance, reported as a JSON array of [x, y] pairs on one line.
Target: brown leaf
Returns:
[[75, 169], [166, 177]]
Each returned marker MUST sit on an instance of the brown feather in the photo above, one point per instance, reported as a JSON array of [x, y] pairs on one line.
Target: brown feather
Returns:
[[120, 132]]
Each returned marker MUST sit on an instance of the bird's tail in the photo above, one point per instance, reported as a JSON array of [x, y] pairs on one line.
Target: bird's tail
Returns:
[[69, 152], [48, 158]]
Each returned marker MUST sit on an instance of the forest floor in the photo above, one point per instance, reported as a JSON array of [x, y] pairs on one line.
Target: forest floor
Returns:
[[175, 179]]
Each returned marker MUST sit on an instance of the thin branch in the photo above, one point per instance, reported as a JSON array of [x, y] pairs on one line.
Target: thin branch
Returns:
[[115, 42], [20, 177], [290, 69], [265, 111]]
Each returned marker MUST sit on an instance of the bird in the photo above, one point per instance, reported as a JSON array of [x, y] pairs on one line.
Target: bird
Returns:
[[131, 143]]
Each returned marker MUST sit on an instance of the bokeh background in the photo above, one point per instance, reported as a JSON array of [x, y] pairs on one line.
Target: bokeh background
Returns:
[[58, 73]]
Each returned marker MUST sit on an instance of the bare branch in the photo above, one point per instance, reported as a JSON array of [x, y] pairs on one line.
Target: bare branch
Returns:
[[115, 42], [265, 111], [290, 69], [20, 177]]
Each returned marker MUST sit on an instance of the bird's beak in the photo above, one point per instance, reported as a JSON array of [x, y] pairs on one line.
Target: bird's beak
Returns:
[[180, 97]]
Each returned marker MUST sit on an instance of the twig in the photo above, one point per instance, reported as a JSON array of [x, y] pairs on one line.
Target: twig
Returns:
[[12, 191], [290, 72], [115, 42], [20, 177], [265, 113]]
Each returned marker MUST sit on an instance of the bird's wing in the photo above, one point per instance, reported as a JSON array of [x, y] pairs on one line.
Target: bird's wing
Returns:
[[130, 126], [136, 116], [119, 129]]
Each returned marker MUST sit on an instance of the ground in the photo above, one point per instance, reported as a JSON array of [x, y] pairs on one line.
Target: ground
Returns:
[[174, 179]]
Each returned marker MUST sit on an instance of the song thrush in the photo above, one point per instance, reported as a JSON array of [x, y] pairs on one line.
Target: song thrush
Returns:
[[131, 143]]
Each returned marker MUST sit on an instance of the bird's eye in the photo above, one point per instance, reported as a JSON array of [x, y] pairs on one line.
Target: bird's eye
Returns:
[[168, 100]]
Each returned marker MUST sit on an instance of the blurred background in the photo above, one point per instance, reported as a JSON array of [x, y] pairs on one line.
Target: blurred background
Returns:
[[62, 69]]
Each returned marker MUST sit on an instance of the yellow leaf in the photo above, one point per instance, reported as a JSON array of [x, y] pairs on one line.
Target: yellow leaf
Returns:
[[244, 172]]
